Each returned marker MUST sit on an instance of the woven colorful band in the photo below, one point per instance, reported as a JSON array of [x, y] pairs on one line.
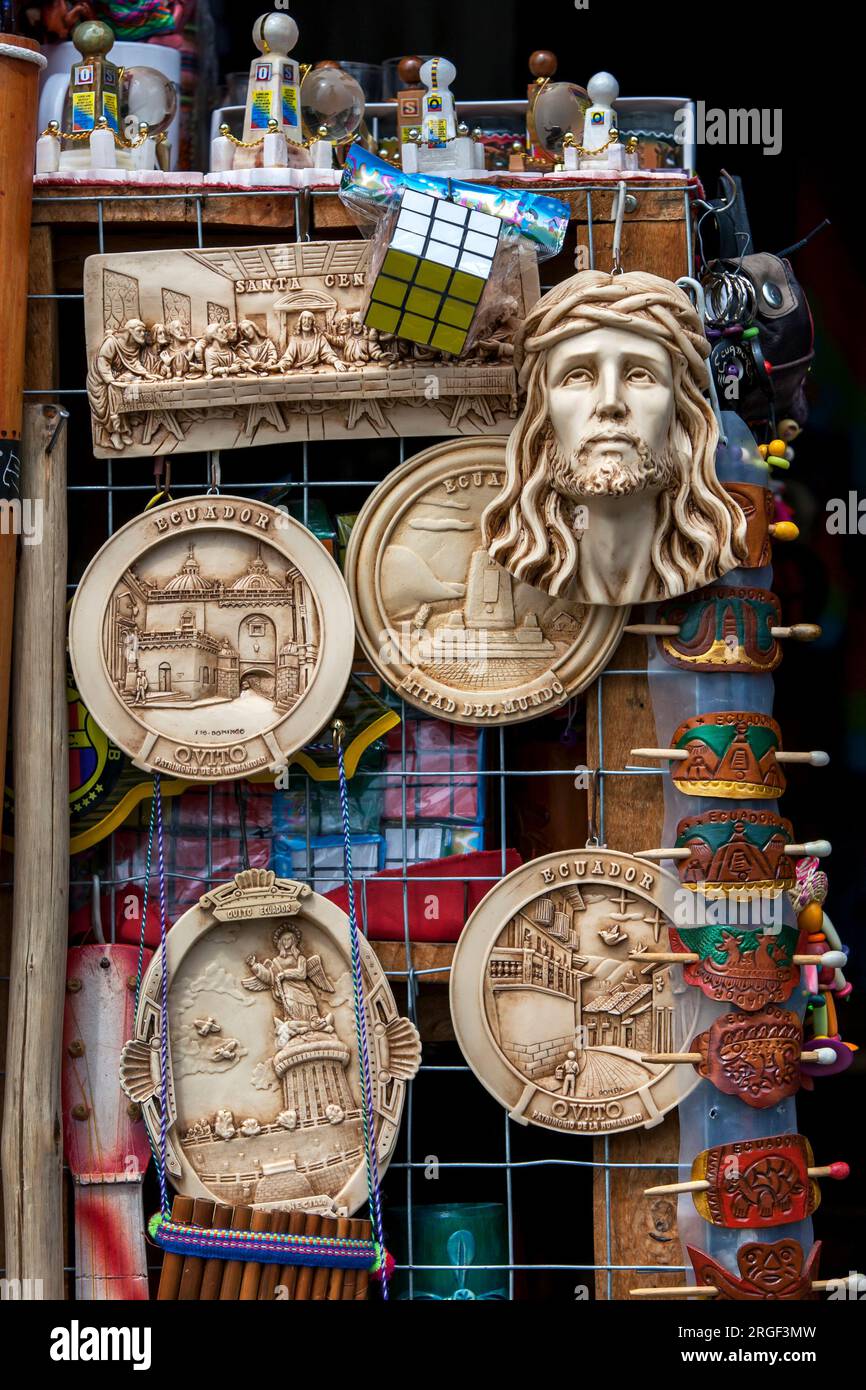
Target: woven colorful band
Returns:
[[265, 1247]]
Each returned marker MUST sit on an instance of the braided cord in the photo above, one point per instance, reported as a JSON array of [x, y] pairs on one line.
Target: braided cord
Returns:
[[163, 1041], [139, 971], [374, 1195], [139, 975]]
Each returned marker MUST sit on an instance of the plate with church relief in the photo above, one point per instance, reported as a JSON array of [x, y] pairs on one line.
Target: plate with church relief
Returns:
[[552, 1005], [211, 638], [447, 627], [264, 1088]]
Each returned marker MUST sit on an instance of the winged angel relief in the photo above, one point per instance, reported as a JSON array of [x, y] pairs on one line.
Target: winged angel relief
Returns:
[[290, 976]]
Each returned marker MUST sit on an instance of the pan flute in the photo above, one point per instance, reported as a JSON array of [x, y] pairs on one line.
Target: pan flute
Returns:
[[187, 1277]]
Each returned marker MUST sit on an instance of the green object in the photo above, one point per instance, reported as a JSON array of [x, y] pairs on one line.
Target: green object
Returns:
[[432, 276], [447, 339], [455, 312], [416, 329], [400, 264], [390, 291], [464, 1237], [467, 286], [750, 332], [382, 318], [438, 261], [423, 302]]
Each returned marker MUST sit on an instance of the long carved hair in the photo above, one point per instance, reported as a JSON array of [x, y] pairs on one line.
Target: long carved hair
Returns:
[[528, 527]]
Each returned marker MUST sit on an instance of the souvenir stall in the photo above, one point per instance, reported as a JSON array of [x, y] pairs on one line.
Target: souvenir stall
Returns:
[[395, 483]]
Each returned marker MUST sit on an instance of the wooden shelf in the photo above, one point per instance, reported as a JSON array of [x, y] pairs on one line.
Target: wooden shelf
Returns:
[[122, 204]]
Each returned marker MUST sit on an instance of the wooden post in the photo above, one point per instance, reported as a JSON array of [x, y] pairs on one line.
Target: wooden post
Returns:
[[638, 1230], [32, 1135], [19, 84]]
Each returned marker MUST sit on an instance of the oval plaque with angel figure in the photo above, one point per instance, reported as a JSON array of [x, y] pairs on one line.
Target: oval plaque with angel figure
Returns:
[[264, 1094]]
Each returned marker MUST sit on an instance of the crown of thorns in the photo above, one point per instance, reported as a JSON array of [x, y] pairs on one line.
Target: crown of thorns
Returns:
[[639, 303]]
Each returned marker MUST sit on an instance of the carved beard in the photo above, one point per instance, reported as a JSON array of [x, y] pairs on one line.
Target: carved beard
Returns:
[[579, 474]]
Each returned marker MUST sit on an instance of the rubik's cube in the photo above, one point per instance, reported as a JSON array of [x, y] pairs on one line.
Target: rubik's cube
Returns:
[[436, 266]]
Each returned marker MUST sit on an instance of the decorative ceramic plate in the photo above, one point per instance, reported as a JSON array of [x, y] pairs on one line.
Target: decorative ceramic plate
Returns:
[[211, 638], [446, 626], [264, 1085], [551, 1004]]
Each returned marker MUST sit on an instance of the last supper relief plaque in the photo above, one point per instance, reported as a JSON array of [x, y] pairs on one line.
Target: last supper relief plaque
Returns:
[[224, 347]]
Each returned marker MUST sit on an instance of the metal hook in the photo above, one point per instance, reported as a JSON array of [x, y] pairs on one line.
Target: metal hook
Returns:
[[592, 835], [215, 472], [711, 210], [96, 910], [686, 282], [732, 195], [60, 416]]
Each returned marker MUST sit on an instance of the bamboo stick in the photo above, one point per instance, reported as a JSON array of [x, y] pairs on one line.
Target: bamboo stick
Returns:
[[172, 1265], [233, 1270], [213, 1270], [193, 1265], [252, 1272], [360, 1229], [32, 1130], [304, 1286], [337, 1277], [289, 1273], [271, 1272]]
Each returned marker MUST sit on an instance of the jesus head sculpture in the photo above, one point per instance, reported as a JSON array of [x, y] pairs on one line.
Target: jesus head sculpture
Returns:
[[610, 492]]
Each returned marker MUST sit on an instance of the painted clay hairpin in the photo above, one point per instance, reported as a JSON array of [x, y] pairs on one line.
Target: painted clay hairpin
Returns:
[[774, 1272], [729, 753], [758, 1057], [749, 968], [755, 1183], [721, 852], [758, 505], [720, 630]]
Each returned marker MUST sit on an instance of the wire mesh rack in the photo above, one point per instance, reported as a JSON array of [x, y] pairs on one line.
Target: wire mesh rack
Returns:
[[456, 1144]]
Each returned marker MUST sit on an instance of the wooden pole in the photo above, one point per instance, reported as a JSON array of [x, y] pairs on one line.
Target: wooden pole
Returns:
[[629, 1230], [31, 1148], [19, 86]]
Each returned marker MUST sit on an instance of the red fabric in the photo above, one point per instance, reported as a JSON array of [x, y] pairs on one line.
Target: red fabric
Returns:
[[437, 911], [432, 746]]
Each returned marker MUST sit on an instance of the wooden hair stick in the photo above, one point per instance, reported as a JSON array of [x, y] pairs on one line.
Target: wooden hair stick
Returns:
[[814, 759], [837, 1171], [821, 1056], [817, 848], [830, 960], [797, 632]]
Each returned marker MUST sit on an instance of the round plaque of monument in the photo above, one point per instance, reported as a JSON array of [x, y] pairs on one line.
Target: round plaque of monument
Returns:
[[553, 1005], [265, 1091], [447, 627], [211, 638]]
